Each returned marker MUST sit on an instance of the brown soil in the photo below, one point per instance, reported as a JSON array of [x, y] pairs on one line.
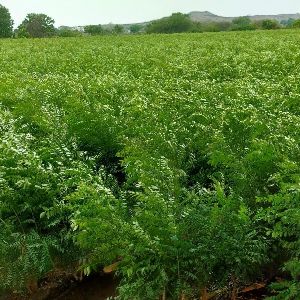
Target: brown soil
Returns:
[[101, 287], [96, 287]]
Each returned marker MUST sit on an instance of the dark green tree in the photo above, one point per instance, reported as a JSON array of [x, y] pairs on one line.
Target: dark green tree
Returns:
[[118, 29], [67, 32], [296, 24], [216, 26], [270, 24], [36, 26], [176, 23], [94, 29], [6, 23], [287, 23], [242, 23], [135, 28]]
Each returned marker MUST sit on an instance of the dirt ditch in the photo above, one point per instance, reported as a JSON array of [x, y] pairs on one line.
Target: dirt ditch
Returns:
[[104, 286]]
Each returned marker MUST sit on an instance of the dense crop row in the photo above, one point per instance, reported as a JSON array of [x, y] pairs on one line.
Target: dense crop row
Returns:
[[175, 156]]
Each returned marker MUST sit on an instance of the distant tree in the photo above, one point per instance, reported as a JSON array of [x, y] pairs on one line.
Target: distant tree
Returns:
[[223, 26], [118, 29], [197, 27], [135, 28], [242, 23], [36, 26], [296, 24], [270, 24], [68, 32], [94, 29], [288, 23], [6, 23], [216, 26], [176, 23]]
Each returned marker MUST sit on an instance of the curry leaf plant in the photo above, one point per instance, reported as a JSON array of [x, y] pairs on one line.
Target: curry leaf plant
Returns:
[[174, 158]]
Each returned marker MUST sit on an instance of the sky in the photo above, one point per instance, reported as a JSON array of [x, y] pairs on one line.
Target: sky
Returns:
[[85, 12]]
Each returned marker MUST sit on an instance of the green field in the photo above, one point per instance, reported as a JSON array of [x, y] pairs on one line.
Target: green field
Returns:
[[177, 156]]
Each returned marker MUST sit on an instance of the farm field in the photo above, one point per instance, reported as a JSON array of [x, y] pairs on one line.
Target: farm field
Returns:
[[173, 160]]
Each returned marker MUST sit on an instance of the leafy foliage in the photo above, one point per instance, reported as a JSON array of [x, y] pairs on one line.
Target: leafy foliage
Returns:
[[67, 32], [6, 23], [177, 22], [166, 245], [24, 258], [242, 23], [136, 28], [94, 29], [284, 215], [37, 26], [118, 29], [296, 23], [33, 184], [175, 157], [270, 24]]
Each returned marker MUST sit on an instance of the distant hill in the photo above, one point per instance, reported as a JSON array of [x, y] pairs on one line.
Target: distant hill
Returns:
[[206, 16]]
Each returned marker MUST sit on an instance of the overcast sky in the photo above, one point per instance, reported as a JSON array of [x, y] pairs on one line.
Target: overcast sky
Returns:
[[83, 12]]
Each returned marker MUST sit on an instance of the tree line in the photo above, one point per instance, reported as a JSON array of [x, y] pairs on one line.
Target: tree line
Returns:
[[179, 22], [41, 25]]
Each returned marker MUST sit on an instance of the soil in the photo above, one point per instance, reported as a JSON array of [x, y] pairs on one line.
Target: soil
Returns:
[[103, 286], [96, 287]]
